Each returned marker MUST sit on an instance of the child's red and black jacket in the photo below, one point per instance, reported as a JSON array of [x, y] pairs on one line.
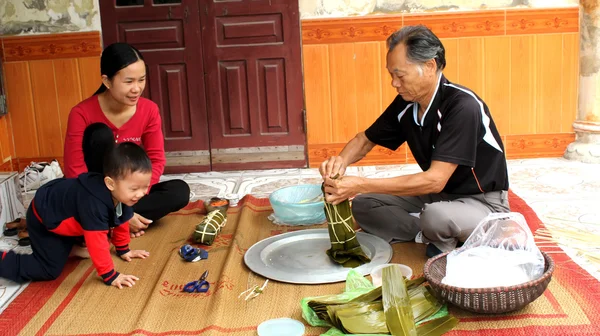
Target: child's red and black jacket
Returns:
[[84, 206]]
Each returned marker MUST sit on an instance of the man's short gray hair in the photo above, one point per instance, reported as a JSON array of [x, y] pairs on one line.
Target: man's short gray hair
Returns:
[[421, 45]]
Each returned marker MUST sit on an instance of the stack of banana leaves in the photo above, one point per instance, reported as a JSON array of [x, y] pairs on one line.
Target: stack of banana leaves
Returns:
[[345, 248], [398, 307]]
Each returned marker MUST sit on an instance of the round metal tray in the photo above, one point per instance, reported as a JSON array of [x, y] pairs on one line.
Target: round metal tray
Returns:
[[299, 257]]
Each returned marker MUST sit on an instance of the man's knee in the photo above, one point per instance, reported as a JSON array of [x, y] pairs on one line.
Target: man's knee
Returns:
[[435, 218], [180, 193], [361, 206]]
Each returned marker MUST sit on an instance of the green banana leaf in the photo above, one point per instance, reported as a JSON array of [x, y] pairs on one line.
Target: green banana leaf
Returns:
[[208, 229], [345, 248], [396, 303], [360, 309]]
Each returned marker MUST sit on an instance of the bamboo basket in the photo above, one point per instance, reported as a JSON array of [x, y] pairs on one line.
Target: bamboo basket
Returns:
[[486, 300]]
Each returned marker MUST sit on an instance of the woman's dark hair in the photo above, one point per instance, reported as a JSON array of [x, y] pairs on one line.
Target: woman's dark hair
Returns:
[[126, 158], [115, 57]]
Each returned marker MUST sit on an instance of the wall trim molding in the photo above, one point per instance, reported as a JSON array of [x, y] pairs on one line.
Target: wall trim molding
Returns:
[[50, 46], [524, 146], [452, 24]]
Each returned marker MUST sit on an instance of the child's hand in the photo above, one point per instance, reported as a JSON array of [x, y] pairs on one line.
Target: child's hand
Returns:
[[135, 254], [124, 280]]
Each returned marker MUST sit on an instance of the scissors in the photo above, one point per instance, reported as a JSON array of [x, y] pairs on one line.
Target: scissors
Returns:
[[198, 286]]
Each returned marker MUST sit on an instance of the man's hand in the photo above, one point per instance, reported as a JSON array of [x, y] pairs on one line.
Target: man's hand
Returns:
[[339, 190], [124, 280], [135, 254], [335, 165], [137, 225]]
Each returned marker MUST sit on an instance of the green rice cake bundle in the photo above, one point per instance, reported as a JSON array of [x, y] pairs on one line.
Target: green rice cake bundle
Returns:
[[209, 228], [345, 248]]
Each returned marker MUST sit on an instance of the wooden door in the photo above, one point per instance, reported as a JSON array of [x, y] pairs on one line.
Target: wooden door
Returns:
[[255, 96], [167, 33]]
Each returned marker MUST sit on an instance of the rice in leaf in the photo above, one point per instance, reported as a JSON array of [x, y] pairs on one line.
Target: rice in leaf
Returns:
[[208, 229], [345, 248]]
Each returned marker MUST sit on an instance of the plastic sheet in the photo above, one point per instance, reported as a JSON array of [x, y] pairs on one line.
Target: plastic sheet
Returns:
[[500, 252]]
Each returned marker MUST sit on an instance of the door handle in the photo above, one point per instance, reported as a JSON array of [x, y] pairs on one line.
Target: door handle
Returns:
[[186, 15], [170, 14]]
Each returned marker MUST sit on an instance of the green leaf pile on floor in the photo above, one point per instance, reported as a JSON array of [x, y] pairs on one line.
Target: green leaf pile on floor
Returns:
[[398, 307]]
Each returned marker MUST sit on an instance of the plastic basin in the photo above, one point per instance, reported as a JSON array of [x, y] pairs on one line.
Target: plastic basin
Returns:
[[298, 205]]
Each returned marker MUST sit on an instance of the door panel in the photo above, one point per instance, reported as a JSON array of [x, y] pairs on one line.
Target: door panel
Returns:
[[167, 33], [253, 62]]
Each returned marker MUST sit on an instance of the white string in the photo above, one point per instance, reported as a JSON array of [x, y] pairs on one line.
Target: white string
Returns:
[[337, 222], [210, 220], [254, 291]]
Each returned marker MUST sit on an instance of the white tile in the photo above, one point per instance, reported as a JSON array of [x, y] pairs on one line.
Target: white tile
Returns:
[[263, 186], [223, 175], [211, 187], [8, 292]]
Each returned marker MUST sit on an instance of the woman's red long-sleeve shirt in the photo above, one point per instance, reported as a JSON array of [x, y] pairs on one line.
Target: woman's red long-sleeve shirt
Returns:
[[144, 128]]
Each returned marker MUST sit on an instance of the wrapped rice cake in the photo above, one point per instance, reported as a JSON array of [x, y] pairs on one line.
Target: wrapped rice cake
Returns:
[[206, 232]]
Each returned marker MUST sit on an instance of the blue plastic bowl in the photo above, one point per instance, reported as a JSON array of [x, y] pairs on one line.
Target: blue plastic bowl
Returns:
[[290, 206]]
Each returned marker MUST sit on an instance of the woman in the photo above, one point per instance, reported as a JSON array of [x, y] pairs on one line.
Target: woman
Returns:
[[116, 113]]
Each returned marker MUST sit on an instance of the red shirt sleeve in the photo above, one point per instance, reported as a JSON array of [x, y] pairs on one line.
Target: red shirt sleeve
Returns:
[[99, 249], [73, 154], [121, 238], [154, 143]]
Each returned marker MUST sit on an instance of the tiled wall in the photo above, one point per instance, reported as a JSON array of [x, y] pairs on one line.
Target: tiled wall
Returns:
[[523, 63], [46, 75]]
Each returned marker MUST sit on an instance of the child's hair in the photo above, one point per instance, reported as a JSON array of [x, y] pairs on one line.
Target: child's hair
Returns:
[[126, 158], [115, 57]]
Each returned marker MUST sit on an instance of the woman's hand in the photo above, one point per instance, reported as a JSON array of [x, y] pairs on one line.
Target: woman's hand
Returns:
[[137, 225]]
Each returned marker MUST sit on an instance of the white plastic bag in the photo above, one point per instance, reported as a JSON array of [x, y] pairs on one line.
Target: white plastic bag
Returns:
[[500, 252]]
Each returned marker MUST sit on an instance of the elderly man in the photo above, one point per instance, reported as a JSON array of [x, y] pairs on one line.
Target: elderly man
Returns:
[[451, 134]]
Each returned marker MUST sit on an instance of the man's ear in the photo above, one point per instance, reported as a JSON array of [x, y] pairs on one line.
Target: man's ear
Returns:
[[430, 67], [110, 183]]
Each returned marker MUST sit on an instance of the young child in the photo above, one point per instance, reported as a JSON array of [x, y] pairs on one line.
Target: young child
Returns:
[[92, 205]]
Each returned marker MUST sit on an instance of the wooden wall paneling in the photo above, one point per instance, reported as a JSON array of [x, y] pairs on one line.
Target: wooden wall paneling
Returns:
[[68, 86], [522, 108], [549, 75], [317, 93], [343, 91], [388, 92], [89, 74], [537, 145], [20, 108], [451, 69], [5, 143], [496, 69], [51, 46], [9, 127], [470, 63], [45, 104], [367, 68], [569, 92]]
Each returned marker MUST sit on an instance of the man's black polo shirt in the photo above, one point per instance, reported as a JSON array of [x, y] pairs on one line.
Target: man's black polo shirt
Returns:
[[457, 128]]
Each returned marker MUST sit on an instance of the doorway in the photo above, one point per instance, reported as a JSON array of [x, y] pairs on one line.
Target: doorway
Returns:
[[226, 75]]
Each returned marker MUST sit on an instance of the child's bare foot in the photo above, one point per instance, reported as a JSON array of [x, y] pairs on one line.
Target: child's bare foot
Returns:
[[81, 252]]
